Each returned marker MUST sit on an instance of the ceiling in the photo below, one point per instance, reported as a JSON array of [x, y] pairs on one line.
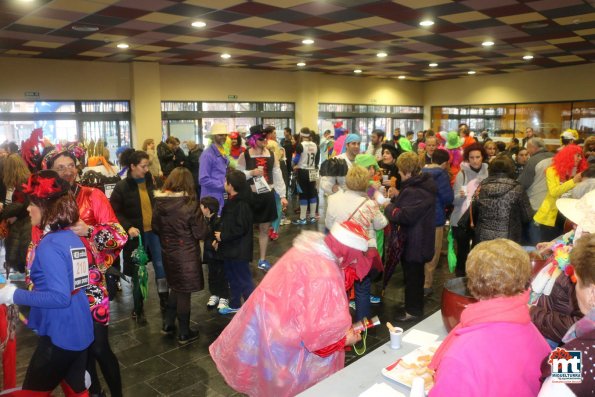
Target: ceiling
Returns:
[[347, 34]]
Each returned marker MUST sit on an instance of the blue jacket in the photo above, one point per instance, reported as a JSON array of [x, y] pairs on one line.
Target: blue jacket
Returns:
[[56, 311], [211, 177], [445, 195]]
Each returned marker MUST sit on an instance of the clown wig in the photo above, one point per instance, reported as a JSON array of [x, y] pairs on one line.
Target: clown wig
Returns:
[[563, 162]]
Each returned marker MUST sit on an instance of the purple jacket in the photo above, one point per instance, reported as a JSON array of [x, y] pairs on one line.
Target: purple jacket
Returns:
[[213, 166]]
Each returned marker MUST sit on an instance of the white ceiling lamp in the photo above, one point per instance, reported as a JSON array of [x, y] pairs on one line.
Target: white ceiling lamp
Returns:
[[426, 22], [301, 64], [487, 43], [199, 24], [225, 56], [123, 46], [401, 77], [528, 57], [471, 72], [382, 55], [357, 71], [433, 65], [307, 41]]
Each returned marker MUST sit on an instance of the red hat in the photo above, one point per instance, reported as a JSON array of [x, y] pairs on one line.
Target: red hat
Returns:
[[351, 234]]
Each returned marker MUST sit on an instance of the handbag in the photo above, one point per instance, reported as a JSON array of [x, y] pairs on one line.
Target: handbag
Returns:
[[469, 218]]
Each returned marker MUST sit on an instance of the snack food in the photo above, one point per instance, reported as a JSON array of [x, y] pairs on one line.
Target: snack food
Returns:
[[414, 364]]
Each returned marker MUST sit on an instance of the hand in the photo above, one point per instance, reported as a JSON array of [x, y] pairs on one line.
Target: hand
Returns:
[[462, 193], [215, 245], [376, 185], [283, 203], [352, 337], [80, 228], [218, 236], [6, 294], [1, 207], [11, 220], [578, 177], [256, 172], [133, 232], [545, 247], [386, 183], [392, 192], [335, 188]]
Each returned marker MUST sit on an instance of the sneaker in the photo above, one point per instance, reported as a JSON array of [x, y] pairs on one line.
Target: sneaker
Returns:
[[265, 265], [213, 301], [375, 299], [352, 305], [299, 222], [273, 235], [312, 220], [17, 276], [223, 303], [228, 310], [285, 222]]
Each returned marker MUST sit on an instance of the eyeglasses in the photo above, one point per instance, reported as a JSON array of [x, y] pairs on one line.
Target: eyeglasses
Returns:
[[260, 139], [63, 168]]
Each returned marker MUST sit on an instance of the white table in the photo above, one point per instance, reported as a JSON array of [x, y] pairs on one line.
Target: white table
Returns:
[[365, 372]]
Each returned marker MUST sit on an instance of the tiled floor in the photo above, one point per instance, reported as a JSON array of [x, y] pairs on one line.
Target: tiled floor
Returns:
[[154, 365]]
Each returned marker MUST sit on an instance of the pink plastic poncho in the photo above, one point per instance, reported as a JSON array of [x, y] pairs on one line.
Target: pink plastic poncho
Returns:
[[299, 307]]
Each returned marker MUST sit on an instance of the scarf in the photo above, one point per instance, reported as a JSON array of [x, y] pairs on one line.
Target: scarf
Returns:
[[582, 327], [508, 309]]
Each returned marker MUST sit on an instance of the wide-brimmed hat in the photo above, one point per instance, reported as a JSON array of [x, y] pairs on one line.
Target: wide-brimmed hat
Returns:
[[453, 140], [392, 150], [570, 134], [579, 211], [218, 129]]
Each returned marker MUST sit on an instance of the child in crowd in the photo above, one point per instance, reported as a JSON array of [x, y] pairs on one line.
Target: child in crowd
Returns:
[[217, 281], [234, 241]]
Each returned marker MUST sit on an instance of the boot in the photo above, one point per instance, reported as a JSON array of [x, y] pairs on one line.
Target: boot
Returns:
[[169, 320], [186, 335], [163, 291]]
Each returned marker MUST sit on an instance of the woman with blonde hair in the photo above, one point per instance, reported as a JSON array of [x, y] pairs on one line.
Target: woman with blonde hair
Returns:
[[154, 165], [14, 212], [495, 332]]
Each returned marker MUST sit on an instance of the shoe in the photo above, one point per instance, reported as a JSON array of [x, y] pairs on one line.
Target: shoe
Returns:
[[119, 286], [312, 220], [223, 303], [213, 301], [408, 317], [285, 221], [17, 276], [228, 310], [428, 292], [191, 336], [299, 222], [168, 330], [100, 394], [139, 319], [375, 299], [264, 265], [352, 305], [273, 235]]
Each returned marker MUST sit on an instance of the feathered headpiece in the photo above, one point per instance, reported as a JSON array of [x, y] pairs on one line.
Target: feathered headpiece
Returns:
[[256, 132], [45, 185], [30, 149], [73, 150]]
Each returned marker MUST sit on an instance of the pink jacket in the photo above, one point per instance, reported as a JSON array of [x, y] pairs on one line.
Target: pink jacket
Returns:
[[492, 359], [299, 307]]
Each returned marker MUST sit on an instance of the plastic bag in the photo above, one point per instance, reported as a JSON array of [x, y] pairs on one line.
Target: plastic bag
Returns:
[[140, 258], [452, 256]]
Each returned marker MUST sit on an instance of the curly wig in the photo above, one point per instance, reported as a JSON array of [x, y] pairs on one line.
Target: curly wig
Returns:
[[563, 162]]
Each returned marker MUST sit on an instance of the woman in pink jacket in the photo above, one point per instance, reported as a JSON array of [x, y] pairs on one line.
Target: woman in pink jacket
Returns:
[[495, 350]]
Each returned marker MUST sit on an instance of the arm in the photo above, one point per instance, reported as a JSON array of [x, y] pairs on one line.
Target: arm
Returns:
[[117, 203], [198, 225], [459, 182], [406, 215], [278, 181], [235, 226], [454, 377], [528, 175], [327, 183], [554, 187], [445, 192], [204, 172], [525, 206]]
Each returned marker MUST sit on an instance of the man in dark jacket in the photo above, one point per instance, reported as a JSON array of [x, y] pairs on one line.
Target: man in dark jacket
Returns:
[[192, 162], [166, 152], [413, 210]]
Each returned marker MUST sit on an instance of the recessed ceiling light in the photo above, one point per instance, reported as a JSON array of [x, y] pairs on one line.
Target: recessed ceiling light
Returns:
[[426, 22], [528, 57], [123, 46], [487, 43], [358, 71], [471, 72], [307, 41], [402, 77], [225, 56], [301, 64], [85, 28], [535, 25], [381, 55], [433, 65], [199, 24]]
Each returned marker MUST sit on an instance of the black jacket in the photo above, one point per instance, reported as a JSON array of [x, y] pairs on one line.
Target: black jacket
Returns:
[[213, 225], [414, 211], [236, 230], [503, 207], [166, 158], [192, 163], [125, 201]]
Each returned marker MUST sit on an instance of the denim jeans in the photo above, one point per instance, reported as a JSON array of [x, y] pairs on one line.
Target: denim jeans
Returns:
[[152, 245], [362, 298]]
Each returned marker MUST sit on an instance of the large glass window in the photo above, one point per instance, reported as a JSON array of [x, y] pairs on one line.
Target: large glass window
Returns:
[[67, 121]]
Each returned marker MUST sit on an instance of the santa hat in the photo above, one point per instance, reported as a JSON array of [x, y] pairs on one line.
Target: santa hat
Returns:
[[351, 235]]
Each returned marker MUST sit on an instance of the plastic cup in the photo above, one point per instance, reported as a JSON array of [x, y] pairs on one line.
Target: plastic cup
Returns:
[[384, 178], [395, 338]]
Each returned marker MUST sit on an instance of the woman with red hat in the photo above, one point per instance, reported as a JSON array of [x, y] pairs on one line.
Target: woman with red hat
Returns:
[[236, 145]]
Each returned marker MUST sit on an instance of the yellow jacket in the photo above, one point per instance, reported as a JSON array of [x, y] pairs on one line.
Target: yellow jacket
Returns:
[[547, 212]]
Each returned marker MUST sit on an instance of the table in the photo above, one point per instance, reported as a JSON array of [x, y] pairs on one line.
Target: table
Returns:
[[365, 372]]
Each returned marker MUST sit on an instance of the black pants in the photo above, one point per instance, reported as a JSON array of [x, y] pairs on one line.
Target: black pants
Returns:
[[217, 281], [101, 352], [463, 239], [50, 365], [413, 274], [240, 281]]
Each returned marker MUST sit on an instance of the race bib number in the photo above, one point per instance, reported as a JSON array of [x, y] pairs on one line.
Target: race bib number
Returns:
[[109, 188], [261, 185], [313, 175], [80, 267]]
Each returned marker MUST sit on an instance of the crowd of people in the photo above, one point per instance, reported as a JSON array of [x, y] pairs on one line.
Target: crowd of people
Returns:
[[74, 223]]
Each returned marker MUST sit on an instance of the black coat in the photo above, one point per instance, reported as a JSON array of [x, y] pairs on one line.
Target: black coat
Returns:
[[236, 230], [213, 225], [166, 158], [414, 211], [180, 226], [192, 163]]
